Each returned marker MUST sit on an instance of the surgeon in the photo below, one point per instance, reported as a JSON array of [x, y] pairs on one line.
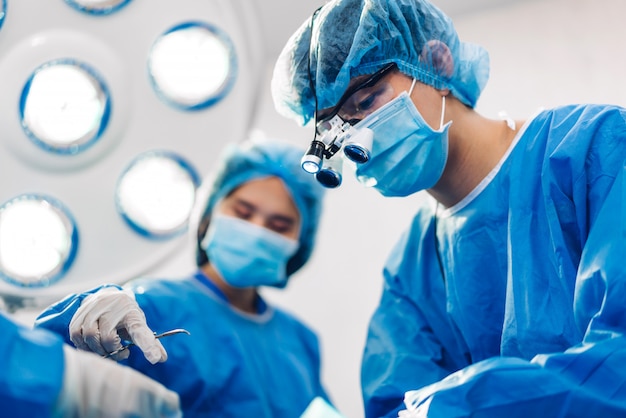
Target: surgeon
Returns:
[[43, 377], [505, 297], [254, 225]]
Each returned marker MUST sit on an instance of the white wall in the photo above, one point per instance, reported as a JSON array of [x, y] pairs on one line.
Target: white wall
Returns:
[[543, 53]]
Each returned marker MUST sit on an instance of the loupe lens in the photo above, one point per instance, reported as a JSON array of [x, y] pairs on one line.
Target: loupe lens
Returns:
[[357, 153], [358, 145], [330, 173], [328, 178]]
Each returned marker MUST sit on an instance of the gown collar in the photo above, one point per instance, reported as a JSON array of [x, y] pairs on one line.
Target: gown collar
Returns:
[[200, 276]]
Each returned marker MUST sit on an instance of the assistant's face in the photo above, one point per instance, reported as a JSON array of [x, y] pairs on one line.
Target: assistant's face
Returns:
[[265, 202]]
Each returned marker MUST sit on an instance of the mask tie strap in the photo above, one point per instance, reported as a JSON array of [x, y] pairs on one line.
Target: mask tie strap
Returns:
[[443, 106], [412, 85], [443, 111]]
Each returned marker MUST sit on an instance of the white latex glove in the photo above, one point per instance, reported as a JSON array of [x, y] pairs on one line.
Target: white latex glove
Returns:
[[94, 387], [108, 316]]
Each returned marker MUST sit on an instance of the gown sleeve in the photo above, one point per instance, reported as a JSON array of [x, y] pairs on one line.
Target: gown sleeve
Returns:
[[57, 317], [32, 370]]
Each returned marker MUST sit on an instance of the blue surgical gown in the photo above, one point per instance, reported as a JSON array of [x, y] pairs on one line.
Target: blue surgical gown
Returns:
[[233, 364], [525, 313], [31, 375]]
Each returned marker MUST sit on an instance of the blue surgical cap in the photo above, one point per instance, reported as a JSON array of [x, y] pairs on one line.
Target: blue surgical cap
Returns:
[[350, 38], [259, 158]]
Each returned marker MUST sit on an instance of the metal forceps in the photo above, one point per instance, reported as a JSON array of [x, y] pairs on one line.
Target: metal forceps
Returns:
[[161, 335]]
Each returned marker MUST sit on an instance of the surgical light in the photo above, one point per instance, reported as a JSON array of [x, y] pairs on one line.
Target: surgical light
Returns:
[[156, 193], [192, 65], [97, 7], [64, 106], [3, 8], [38, 240]]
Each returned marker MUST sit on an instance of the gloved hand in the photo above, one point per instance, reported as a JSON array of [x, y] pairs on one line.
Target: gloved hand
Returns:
[[94, 387], [108, 316]]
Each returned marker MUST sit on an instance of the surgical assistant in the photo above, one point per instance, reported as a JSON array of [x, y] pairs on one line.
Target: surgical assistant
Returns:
[[505, 296], [255, 225], [43, 377]]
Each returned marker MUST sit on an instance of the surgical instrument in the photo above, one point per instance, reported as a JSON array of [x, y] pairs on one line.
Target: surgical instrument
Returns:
[[161, 335]]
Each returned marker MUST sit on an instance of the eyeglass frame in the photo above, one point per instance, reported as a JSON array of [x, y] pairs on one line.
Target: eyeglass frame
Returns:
[[371, 81]]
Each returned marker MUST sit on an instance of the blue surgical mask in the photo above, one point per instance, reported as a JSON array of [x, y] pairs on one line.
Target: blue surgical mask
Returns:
[[407, 154], [247, 255]]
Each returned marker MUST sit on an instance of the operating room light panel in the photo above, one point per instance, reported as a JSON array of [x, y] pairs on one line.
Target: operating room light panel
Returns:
[[110, 111], [97, 6], [64, 107], [156, 194], [35, 241], [190, 66]]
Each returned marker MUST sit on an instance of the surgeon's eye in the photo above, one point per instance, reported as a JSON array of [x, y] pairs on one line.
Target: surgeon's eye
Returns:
[[361, 109], [366, 101], [366, 104]]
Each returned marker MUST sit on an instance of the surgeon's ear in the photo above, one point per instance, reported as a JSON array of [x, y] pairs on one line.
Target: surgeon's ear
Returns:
[[438, 55]]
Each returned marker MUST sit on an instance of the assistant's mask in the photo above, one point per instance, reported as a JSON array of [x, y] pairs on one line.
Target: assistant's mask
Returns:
[[407, 154], [247, 255]]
